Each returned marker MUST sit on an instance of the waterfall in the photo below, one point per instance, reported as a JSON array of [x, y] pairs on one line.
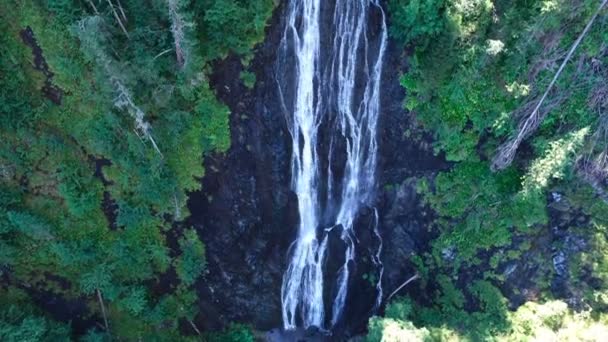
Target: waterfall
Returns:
[[328, 96]]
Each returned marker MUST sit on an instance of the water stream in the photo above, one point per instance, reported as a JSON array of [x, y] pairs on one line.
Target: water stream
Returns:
[[329, 71]]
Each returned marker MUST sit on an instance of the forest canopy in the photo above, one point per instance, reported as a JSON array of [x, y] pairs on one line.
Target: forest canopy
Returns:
[[107, 112], [514, 94]]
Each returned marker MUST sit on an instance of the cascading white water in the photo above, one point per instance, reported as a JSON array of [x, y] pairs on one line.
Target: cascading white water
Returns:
[[344, 92], [378, 262]]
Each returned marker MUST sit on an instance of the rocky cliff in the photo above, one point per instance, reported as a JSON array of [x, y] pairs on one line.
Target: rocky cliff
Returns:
[[247, 213]]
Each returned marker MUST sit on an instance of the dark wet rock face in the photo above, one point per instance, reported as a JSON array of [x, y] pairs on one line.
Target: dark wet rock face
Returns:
[[247, 214], [365, 275], [566, 244], [546, 265]]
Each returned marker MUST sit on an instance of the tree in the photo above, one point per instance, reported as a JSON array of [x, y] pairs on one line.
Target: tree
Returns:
[[191, 262]]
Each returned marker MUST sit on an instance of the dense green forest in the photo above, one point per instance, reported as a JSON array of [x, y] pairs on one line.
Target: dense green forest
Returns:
[[528, 157], [106, 114], [107, 111]]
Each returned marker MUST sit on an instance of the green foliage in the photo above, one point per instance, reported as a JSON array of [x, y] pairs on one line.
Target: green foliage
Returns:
[[18, 326], [214, 118], [417, 21], [20, 321], [401, 309], [91, 182], [390, 330], [234, 333], [468, 83], [480, 210], [554, 321], [477, 68], [448, 319], [248, 79], [552, 165], [191, 263], [232, 25], [589, 268], [551, 321], [95, 336]]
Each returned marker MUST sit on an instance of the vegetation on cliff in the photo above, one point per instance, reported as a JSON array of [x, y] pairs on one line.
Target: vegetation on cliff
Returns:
[[106, 113], [514, 93]]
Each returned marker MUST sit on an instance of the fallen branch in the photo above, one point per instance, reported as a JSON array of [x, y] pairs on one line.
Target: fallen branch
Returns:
[[103, 311], [506, 152], [122, 11], [194, 327], [124, 101], [91, 34], [178, 212], [414, 277], [93, 6], [118, 19], [162, 53]]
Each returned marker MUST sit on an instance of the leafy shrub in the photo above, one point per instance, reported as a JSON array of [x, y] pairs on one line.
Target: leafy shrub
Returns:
[[417, 21]]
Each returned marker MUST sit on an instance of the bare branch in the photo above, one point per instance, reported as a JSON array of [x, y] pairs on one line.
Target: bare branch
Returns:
[[507, 151], [122, 12], [162, 53], [124, 101], [91, 33], [178, 26], [178, 212], [118, 19], [103, 310], [93, 6], [194, 327], [412, 278]]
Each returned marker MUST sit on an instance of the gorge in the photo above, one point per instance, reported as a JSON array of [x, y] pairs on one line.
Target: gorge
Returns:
[[303, 170], [316, 222]]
